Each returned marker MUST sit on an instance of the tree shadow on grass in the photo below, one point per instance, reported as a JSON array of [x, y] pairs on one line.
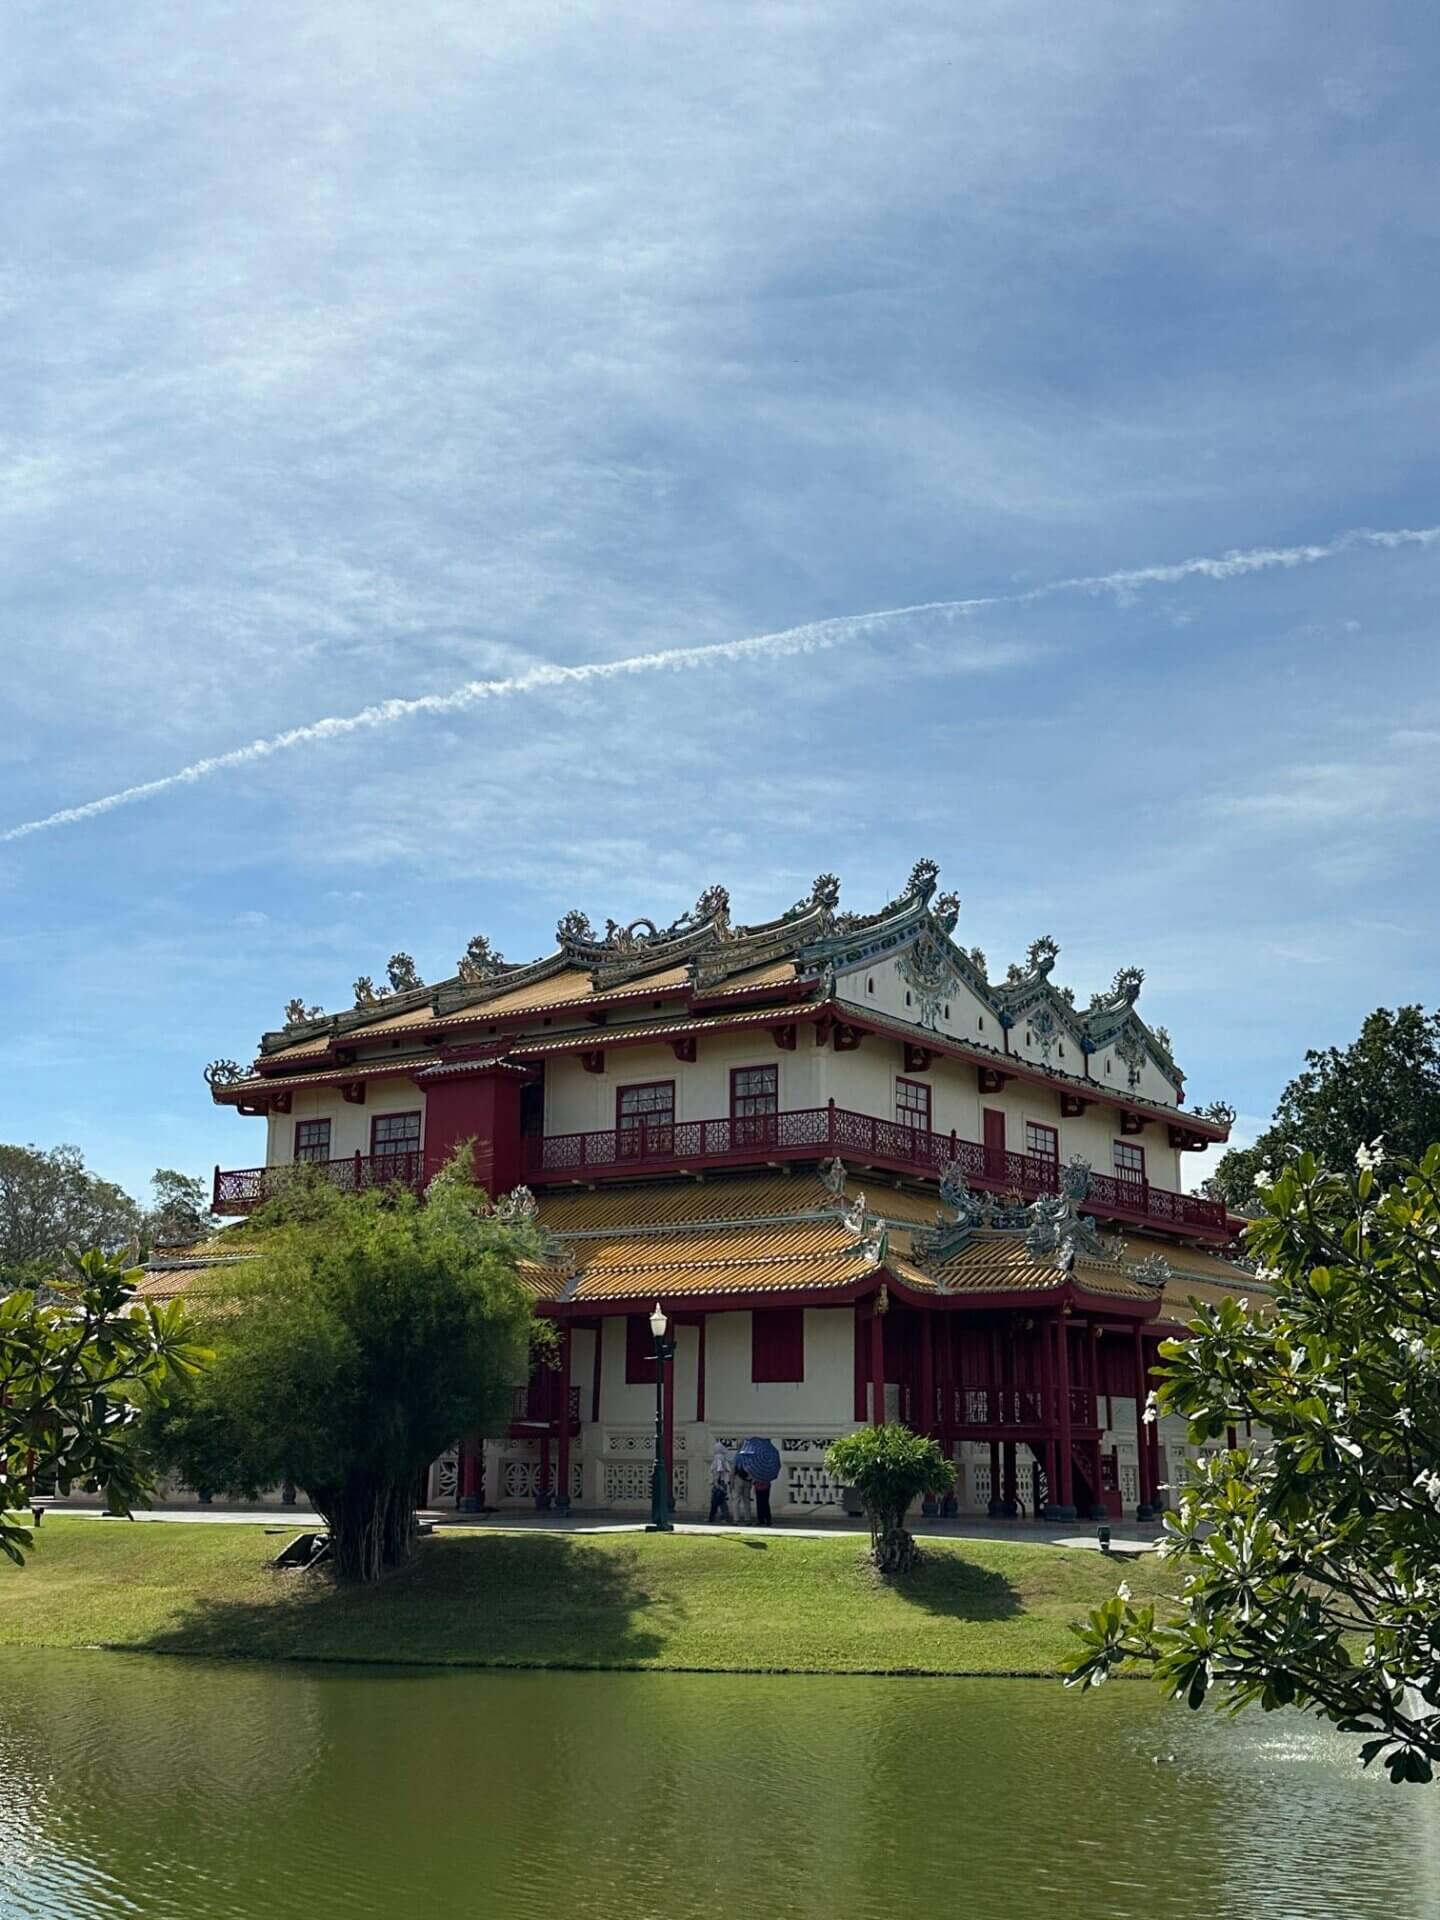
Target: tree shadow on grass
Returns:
[[465, 1600], [954, 1588]]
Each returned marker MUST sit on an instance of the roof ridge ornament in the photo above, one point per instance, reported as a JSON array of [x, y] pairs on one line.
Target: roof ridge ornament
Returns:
[[833, 1176], [924, 878], [1153, 1271], [1058, 1228]]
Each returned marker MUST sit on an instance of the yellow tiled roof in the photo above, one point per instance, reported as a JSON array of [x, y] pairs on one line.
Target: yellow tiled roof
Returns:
[[778, 973], [572, 984], [736, 1275], [682, 1202], [1002, 1263]]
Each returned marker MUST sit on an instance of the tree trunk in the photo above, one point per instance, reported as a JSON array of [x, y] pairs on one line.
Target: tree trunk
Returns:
[[372, 1525], [892, 1547]]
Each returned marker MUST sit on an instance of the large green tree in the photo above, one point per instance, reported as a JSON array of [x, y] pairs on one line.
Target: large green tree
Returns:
[[76, 1370], [1386, 1082], [50, 1200], [368, 1332], [1311, 1558]]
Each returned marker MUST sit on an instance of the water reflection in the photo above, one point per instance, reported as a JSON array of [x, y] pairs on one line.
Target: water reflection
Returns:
[[166, 1788]]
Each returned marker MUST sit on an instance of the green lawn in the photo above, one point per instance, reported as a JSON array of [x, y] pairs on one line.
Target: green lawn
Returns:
[[724, 1603]]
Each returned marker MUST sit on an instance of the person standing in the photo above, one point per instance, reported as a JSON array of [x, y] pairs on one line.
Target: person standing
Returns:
[[762, 1503], [741, 1489], [719, 1484]]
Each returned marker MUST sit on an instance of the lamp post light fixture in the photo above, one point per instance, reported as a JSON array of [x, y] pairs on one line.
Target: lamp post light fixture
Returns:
[[660, 1520]]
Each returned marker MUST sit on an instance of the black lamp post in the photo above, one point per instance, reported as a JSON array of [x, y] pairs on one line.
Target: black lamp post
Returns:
[[660, 1521]]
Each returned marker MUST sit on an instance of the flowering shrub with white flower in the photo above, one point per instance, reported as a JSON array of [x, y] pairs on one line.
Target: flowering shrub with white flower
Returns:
[[1310, 1562]]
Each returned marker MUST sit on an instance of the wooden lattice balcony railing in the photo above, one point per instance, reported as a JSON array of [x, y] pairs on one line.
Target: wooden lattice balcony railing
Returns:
[[243, 1189], [809, 1134], [1012, 1407], [532, 1406], [819, 1132]]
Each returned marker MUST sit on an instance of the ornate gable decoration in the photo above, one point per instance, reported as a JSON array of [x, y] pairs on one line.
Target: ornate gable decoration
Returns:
[[1029, 998], [1057, 1226], [916, 930]]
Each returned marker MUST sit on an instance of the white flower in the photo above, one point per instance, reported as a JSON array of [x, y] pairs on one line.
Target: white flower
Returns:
[[1264, 1180], [1100, 1676], [1122, 1592], [1368, 1158], [1429, 1485], [1152, 1410], [1268, 1276], [1346, 1445]]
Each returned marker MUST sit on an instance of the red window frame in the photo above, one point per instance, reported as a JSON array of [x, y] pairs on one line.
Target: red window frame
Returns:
[[1042, 1142], [649, 1132], [399, 1148], [639, 1351], [754, 1108], [913, 1107], [1124, 1166], [777, 1346], [305, 1148]]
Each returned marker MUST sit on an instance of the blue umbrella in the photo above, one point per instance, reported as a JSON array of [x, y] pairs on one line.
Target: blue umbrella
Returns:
[[759, 1458]]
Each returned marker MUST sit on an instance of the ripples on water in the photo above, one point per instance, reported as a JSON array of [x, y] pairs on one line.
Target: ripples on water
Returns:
[[166, 1788]]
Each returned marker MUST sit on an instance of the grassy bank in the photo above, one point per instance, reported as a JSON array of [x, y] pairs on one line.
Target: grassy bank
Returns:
[[727, 1602]]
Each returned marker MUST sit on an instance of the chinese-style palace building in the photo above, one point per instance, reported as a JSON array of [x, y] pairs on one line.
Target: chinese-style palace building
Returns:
[[865, 1181]]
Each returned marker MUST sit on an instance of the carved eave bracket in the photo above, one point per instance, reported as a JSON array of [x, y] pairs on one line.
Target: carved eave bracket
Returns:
[[353, 1092], [992, 1080], [919, 1059], [593, 1060]]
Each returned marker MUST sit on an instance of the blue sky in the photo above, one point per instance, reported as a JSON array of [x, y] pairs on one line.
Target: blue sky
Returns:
[[353, 353]]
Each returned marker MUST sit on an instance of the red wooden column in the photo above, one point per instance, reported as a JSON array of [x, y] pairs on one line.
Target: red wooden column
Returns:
[[877, 1369], [470, 1483], [1062, 1392], [1142, 1432], [1092, 1359], [1047, 1408], [1157, 1464], [562, 1465], [926, 1422]]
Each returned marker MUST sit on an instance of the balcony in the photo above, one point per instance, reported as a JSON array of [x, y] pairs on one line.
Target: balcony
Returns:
[[243, 1189], [535, 1407], [813, 1133], [1000, 1407], [810, 1134]]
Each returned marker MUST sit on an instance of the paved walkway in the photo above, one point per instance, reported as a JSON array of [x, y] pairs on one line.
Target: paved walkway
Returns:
[[1126, 1537]]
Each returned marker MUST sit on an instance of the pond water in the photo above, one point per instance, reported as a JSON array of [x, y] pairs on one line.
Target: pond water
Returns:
[[133, 1785]]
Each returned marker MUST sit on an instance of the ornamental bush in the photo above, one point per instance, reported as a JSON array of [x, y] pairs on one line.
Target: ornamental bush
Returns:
[[1311, 1559], [890, 1468], [77, 1367]]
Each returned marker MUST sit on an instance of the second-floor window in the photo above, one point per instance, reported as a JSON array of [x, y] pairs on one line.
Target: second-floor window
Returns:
[[912, 1105], [393, 1135], [1042, 1142], [312, 1139], [645, 1120], [1129, 1161], [754, 1102]]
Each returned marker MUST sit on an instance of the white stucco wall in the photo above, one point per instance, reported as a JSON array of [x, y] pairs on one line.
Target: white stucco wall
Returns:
[[581, 1102], [349, 1124]]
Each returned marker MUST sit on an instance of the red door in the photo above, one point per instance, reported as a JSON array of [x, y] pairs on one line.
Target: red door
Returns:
[[994, 1122]]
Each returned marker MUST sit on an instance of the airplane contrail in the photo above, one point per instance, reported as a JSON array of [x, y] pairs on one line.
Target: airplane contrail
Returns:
[[812, 636]]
